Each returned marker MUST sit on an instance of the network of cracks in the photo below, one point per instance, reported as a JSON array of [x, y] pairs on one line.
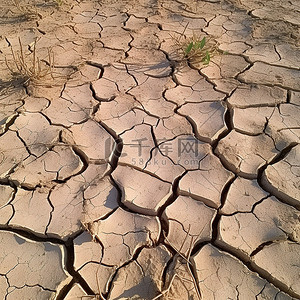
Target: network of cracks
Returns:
[[129, 171]]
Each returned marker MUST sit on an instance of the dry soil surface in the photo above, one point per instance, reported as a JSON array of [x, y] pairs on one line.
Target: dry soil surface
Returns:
[[131, 171]]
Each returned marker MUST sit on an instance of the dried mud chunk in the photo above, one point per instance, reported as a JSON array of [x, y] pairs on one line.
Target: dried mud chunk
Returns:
[[57, 164], [163, 167], [88, 30], [257, 95], [185, 94], [106, 56], [179, 283], [75, 293], [227, 85], [191, 82], [6, 193], [149, 88], [122, 233], [10, 101], [185, 151], [137, 145], [34, 105], [150, 62], [276, 13], [234, 47], [4, 123], [189, 223], [105, 89], [145, 38], [100, 198], [29, 292], [67, 200], [207, 183], [34, 269], [242, 195], [251, 121], [295, 98], [222, 276], [87, 261], [141, 279], [116, 38], [32, 210], [159, 107], [123, 113], [270, 221], [6, 209], [118, 73], [245, 154], [135, 24], [141, 192], [218, 67], [65, 53], [267, 74], [127, 120], [116, 108], [264, 52], [284, 125], [114, 81], [10, 159], [281, 262], [289, 55], [36, 132], [169, 128], [215, 27], [113, 17], [186, 76], [74, 106], [282, 178], [97, 276], [85, 75], [6, 212], [86, 250], [92, 139], [209, 118]]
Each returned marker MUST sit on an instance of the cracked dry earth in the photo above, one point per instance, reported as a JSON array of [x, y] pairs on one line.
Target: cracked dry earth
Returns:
[[132, 173]]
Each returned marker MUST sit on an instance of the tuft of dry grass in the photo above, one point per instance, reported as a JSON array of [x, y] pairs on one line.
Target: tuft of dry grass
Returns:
[[30, 66], [30, 12]]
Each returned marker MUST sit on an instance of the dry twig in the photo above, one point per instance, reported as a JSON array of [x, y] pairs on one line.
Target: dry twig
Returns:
[[186, 258], [32, 69]]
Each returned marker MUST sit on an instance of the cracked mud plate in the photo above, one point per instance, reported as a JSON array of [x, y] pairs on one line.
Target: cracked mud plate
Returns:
[[130, 171]]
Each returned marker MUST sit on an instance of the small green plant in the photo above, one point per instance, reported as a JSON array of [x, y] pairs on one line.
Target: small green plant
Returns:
[[195, 49], [30, 67], [59, 2]]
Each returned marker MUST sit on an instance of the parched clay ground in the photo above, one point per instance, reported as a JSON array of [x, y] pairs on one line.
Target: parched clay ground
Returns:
[[131, 173]]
